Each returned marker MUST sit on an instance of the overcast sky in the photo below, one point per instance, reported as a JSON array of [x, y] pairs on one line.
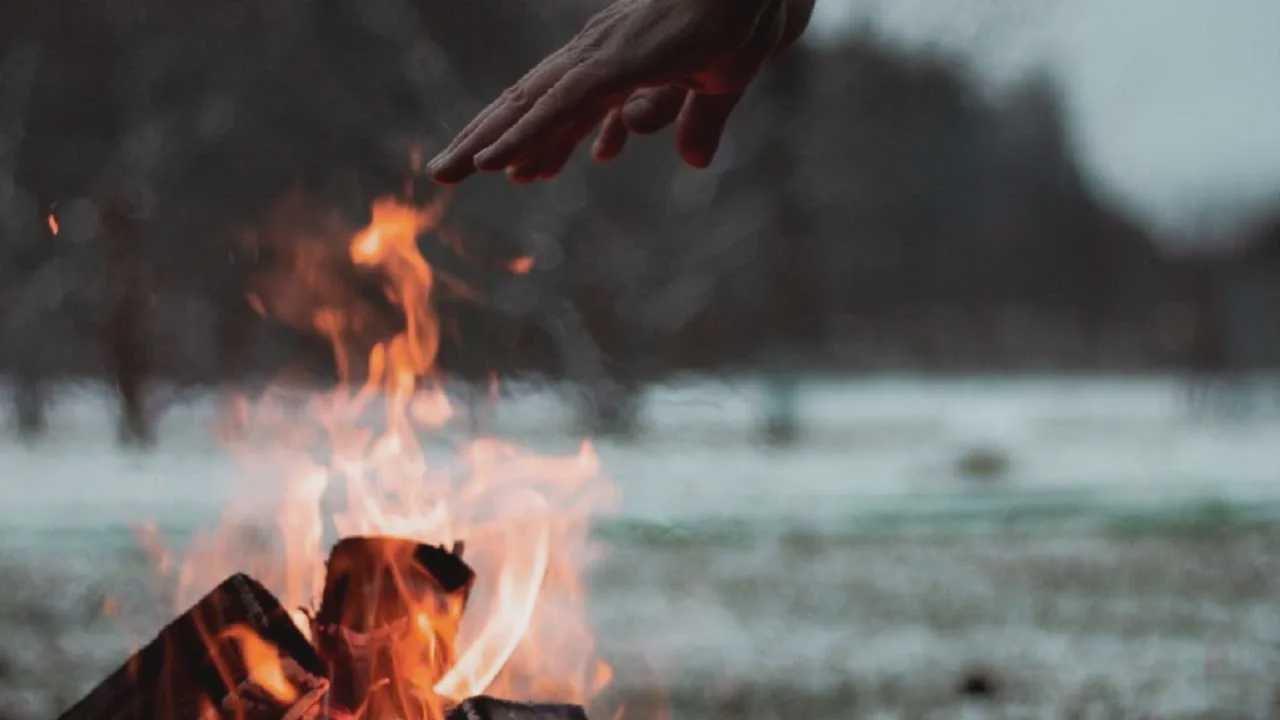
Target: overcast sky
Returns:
[[1174, 105]]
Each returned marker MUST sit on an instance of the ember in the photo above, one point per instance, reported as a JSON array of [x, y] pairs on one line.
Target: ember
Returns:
[[389, 637]]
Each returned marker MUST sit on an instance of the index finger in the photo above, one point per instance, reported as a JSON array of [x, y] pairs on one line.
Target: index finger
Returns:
[[587, 85], [457, 161], [529, 78]]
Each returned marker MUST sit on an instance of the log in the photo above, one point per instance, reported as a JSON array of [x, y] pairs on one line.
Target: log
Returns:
[[389, 611], [488, 708], [195, 668]]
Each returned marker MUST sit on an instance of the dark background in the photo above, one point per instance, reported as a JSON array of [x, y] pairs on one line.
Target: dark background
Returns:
[[872, 209]]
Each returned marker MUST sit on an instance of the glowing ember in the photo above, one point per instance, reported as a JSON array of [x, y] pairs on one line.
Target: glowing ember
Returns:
[[391, 466], [53, 223]]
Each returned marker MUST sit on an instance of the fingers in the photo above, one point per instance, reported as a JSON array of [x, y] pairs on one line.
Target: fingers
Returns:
[[701, 125], [612, 138], [646, 111], [587, 85], [457, 162], [703, 117], [547, 159], [651, 109], [664, 48], [631, 43], [555, 160]]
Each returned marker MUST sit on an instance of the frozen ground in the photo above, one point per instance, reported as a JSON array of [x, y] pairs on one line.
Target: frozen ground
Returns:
[[1127, 565]]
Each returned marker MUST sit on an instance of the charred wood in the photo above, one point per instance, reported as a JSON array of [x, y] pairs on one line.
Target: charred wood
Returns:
[[488, 708], [195, 668], [389, 602], [378, 591]]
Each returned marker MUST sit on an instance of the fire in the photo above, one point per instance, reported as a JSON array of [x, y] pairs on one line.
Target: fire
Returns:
[[392, 466], [520, 265], [263, 663]]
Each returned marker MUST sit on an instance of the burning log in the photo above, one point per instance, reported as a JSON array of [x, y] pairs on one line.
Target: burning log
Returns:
[[388, 622], [236, 653], [487, 708], [384, 635]]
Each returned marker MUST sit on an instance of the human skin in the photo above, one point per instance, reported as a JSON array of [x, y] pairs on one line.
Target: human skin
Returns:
[[638, 66]]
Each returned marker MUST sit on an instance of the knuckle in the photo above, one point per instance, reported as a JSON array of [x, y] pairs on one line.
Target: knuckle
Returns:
[[517, 96], [585, 50], [597, 21], [594, 76]]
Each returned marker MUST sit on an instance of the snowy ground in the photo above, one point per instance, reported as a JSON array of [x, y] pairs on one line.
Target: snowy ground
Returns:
[[1126, 564]]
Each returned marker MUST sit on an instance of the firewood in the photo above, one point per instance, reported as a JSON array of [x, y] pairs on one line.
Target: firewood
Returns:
[[487, 708], [389, 602], [195, 667]]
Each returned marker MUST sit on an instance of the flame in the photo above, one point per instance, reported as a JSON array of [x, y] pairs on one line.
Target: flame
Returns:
[[387, 469], [263, 664], [53, 223]]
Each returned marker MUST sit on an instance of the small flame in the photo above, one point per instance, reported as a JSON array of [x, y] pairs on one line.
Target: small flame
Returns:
[[524, 517], [53, 223], [263, 664], [520, 265], [255, 302]]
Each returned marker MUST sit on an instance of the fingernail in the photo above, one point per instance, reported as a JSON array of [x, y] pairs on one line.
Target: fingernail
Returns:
[[444, 174]]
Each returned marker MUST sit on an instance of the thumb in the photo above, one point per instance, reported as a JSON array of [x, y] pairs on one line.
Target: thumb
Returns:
[[701, 125]]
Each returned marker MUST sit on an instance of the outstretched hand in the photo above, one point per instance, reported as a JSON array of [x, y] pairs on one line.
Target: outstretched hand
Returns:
[[637, 67]]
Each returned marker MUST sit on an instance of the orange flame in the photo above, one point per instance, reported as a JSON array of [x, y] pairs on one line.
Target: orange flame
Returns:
[[53, 223], [524, 518], [263, 664]]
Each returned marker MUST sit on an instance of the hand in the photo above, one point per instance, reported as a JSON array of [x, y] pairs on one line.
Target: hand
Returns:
[[637, 67]]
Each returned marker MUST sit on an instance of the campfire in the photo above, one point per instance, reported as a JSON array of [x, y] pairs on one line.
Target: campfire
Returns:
[[455, 589]]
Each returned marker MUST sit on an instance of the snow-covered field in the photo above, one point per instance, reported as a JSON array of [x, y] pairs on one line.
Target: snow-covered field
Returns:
[[1126, 561]]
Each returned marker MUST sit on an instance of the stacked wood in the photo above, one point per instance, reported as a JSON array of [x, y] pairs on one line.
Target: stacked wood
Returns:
[[488, 708], [238, 654], [196, 668]]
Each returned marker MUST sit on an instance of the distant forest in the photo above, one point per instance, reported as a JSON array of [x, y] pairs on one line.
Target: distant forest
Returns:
[[873, 208]]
